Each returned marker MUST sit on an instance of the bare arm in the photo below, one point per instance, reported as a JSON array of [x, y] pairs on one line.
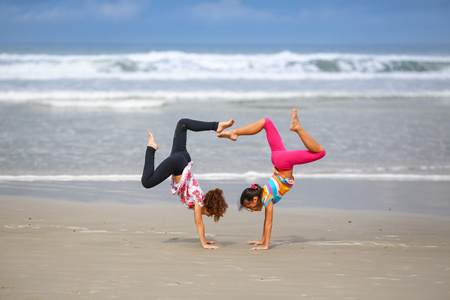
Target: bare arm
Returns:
[[201, 228], [267, 229]]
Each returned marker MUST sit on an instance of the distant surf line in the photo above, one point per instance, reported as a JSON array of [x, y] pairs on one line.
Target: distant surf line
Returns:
[[151, 99], [226, 176]]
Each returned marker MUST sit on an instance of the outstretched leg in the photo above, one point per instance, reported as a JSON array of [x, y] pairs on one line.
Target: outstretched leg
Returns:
[[249, 129], [281, 158], [273, 137], [179, 157], [183, 125], [310, 143]]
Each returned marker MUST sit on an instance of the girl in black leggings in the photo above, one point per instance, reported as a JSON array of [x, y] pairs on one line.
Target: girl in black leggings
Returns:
[[183, 183]]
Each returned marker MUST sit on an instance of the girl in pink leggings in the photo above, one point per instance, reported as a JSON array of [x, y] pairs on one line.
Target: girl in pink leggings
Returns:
[[255, 197]]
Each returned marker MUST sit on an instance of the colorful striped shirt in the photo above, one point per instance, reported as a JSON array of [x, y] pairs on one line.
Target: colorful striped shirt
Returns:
[[276, 187]]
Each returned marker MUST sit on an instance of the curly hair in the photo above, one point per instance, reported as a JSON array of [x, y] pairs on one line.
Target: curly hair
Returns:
[[215, 203]]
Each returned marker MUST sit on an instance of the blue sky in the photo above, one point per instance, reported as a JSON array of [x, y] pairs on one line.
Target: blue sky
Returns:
[[226, 21]]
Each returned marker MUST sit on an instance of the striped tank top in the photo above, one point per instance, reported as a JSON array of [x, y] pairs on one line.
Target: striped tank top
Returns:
[[276, 187]]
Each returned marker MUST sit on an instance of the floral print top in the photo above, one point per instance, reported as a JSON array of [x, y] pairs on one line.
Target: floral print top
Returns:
[[188, 188]]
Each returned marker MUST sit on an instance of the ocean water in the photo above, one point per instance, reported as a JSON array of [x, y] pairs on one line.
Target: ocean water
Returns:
[[81, 113]]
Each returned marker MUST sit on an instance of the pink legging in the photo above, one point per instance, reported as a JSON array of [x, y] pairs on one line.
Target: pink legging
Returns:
[[283, 159]]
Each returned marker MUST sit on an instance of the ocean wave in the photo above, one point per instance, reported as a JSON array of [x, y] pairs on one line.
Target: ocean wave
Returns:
[[142, 100], [119, 105], [176, 65], [248, 176]]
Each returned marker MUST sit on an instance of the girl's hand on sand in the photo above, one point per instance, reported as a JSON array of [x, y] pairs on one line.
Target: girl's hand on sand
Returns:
[[210, 247], [255, 243], [261, 248]]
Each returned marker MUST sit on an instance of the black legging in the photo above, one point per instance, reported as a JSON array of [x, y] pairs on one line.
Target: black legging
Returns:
[[179, 157]]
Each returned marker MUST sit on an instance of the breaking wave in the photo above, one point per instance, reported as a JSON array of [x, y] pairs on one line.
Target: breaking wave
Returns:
[[177, 65]]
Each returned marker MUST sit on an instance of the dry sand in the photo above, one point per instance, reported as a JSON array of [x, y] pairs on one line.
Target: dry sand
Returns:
[[55, 249]]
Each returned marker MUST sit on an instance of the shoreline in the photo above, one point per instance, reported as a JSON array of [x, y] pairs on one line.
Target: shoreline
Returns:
[[416, 197], [53, 249]]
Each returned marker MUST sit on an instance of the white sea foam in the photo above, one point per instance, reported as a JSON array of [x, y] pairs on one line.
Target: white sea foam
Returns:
[[228, 176], [145, 99], [176, 65], [105, 104], [70, 178]]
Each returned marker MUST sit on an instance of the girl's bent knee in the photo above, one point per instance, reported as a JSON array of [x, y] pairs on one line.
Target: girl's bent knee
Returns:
[[183, 121], [321, 154], [146, 184]]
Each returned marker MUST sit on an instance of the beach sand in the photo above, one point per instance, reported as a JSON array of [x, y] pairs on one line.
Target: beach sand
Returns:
[[58, 249]]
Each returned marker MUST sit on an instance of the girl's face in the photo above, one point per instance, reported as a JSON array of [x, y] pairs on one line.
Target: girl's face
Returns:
[[253, 205]]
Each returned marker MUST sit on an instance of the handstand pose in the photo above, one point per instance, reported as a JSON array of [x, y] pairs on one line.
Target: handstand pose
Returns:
[[183, 183], [282, 180]]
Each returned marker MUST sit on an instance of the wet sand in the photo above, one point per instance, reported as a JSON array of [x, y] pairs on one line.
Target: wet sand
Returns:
[[57, 249]]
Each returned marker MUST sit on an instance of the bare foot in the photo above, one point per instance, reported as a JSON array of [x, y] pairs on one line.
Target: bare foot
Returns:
[[295, 123], [229, 134], [151, 141], [224, 125]]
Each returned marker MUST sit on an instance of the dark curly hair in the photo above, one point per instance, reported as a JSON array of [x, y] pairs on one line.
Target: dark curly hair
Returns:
[[248, 194], [215, 203]]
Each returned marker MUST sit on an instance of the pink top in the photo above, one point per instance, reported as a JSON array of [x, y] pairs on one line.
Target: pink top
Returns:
[[188, 188]]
